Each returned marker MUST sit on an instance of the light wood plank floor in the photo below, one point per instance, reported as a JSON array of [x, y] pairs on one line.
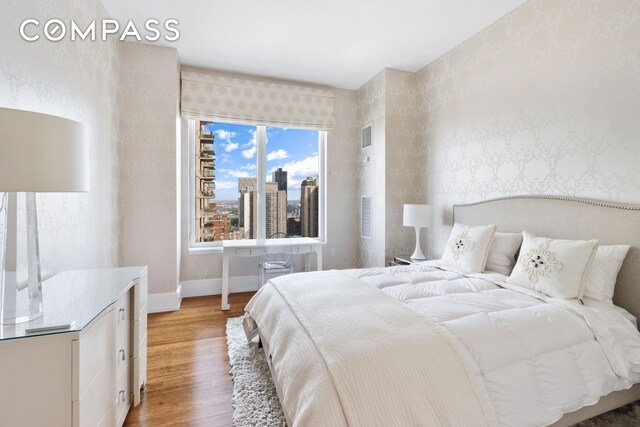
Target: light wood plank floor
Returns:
[[188, 382]]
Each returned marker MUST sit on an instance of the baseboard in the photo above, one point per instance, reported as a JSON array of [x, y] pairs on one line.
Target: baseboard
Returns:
[[168, 301], [198, 288]]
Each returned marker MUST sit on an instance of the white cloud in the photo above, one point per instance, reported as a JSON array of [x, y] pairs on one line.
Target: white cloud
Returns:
[[224, 135], [252, 142], [231, 147], [249, 166], [299, 170], [249, 152], [234, 173], [278, 154], [250, 146]]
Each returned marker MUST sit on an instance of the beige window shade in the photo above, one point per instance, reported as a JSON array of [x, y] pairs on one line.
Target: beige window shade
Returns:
[[219, 97]]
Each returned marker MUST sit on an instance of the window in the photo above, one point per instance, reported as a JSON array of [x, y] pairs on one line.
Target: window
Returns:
[[252, 182]]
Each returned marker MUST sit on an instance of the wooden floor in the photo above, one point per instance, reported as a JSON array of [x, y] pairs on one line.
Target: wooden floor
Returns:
[[188, 382]]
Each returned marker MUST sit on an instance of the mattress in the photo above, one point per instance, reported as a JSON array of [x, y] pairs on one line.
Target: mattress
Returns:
[[538, 358]]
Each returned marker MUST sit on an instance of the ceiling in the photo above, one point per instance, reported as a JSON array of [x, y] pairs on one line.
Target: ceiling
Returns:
[[339, 43]]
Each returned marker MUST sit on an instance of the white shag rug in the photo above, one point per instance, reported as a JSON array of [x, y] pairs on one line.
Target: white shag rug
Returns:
[[256, 402], [255, 399]]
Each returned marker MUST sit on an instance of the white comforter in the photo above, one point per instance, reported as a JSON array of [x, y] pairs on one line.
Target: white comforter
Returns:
[[538, 358], [374, 370]]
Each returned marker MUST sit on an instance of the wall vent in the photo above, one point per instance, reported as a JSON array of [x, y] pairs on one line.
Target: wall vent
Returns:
[[365, 136], [366, 213]]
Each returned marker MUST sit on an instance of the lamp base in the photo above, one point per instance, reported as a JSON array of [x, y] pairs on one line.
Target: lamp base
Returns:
[[417, 254], [20, 290]]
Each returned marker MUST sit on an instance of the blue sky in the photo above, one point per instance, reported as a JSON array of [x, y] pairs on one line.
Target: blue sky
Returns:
[[294, 150]]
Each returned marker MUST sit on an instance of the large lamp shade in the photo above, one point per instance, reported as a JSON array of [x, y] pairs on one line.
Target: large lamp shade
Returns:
[[417, 216], [38, 153], [42, 153]]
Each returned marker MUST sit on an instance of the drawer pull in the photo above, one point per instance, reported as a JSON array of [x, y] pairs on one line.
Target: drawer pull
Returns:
[[121, 313], [122, 355], [121, 395]]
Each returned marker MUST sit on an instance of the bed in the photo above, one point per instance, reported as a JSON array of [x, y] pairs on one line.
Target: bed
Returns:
[[476, 352]]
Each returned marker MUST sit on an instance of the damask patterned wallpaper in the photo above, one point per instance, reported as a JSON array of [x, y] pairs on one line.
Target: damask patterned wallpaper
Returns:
[[544, 101], [405, 160], [149, 85], [371, 175], [342, 219], [397, 162], [76, 80]]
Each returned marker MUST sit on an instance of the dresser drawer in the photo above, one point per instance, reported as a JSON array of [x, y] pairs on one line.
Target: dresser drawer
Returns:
[[96, 371], [123, 321], [123, 394], [109, 418], [140, 295], [139, 334], [139, 371], [123, 355]]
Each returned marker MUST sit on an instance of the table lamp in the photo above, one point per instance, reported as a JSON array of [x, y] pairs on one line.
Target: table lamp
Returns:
[[417, 216], [38, 153]]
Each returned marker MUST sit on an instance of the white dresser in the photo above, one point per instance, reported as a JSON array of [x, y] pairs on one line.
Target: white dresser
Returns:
[[88, 375]]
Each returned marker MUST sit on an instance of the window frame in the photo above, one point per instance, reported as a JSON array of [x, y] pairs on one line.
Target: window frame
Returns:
[[261, 171]]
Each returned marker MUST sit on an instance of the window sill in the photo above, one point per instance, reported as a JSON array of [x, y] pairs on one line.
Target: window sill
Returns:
[[205, 250], [208, 250]]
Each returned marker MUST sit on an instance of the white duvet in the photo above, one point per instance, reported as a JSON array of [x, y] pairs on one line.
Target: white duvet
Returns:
[[539, 358]]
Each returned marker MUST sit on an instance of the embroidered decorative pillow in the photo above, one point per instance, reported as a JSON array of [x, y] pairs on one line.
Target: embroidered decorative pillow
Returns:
[[601, 275], [553, 267], [502, 255], [468, 247]]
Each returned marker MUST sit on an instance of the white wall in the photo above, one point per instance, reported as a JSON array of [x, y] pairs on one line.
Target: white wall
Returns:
[[544, 101], [371, 175], [395, 173], [77, 80], [149, 164]]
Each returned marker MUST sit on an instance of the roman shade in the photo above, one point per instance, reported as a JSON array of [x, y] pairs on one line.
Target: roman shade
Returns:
[[227, 98]]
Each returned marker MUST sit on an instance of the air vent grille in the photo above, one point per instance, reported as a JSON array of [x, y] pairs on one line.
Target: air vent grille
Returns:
[[365, 136], [366, 212]]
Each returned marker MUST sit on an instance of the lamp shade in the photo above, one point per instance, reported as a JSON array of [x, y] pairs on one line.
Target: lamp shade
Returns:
[[417, 216], [42, 153]]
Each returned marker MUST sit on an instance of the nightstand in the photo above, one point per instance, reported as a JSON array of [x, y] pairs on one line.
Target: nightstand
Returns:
[[404, 260]]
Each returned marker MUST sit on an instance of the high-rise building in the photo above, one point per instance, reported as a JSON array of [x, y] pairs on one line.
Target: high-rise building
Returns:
[[210, 225], [275, 206], [309, 207], [249, 209], [280, 177], [245, 186]]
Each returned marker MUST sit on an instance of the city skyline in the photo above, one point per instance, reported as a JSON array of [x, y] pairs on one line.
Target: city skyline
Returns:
[[293, 150], [217, 217]]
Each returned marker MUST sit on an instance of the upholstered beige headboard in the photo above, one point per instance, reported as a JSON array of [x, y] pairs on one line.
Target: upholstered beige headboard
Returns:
[[569, 218]]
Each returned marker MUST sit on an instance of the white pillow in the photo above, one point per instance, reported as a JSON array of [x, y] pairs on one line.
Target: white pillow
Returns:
[[551, 266], [468, 247], [601, 275], [502, 255]]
